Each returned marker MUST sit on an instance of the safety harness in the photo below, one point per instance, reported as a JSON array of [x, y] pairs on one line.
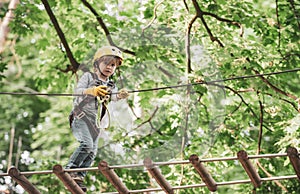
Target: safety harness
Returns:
[[94, 127]]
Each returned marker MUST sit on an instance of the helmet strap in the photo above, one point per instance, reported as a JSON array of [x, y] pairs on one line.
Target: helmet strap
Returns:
[[96, 66], [101, 73]]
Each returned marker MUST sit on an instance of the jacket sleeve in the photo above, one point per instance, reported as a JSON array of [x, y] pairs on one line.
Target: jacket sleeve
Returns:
[[83, 83]]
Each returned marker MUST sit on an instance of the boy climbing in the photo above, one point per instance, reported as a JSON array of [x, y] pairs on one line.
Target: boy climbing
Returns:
[[89, 115]]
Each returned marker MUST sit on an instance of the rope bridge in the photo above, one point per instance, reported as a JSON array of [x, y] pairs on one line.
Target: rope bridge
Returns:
[[154, 171]]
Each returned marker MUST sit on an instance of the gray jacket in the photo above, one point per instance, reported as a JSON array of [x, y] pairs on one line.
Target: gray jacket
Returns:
[[91, 108]]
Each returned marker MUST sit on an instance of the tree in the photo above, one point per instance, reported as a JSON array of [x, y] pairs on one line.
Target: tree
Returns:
[[189, 66]]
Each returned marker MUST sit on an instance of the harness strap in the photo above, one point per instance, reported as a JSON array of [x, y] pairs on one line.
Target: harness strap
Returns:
[[79, 114]]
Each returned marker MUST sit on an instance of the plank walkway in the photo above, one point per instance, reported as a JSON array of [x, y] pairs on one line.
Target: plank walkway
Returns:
[[153, 169]]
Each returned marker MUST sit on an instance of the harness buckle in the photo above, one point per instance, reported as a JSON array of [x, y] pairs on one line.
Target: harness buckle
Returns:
[[103, 98], [80, 115], [106, 98]]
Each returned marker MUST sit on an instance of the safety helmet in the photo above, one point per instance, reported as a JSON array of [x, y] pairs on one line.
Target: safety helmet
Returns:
[[107, 50]]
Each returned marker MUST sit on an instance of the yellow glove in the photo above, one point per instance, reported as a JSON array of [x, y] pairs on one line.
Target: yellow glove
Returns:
[[123, 93], [96, 91]]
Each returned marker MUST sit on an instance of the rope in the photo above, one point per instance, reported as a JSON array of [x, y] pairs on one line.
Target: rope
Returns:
[[103, 101], [162, 88]]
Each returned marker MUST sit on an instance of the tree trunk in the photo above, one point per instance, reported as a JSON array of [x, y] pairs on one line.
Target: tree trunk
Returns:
[[4, 29]]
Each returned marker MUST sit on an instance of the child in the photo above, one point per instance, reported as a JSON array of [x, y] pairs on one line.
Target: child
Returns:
[[89, 114]]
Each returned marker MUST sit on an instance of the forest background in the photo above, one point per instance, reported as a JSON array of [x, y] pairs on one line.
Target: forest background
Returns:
[[205, 77]]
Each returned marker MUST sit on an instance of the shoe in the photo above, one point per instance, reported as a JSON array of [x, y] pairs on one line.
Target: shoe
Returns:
[[81, 185], [79, 180]]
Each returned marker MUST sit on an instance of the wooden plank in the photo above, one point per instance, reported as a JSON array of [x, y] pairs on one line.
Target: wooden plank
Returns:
[[203, 172], [67, 180], [247, 165], [112, 177], [22, 180], [160, 179], [295, 160]]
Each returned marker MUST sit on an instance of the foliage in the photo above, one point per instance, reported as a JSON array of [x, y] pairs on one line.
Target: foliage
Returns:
[[207, 118]]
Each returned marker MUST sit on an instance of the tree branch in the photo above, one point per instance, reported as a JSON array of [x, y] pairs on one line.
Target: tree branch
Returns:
[[261, 118], [186, 6], [276, 89], [296, 13], [285, 100], [74, 64], [278, 27], [166, 72], [187, 44], [100, 21], [148, 120], [105, 29], [227, 21], [242, 99], [200, 14], [269, 175], [154, 16]]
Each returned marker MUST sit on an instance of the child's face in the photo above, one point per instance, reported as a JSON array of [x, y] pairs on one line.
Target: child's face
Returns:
[[108, 67]]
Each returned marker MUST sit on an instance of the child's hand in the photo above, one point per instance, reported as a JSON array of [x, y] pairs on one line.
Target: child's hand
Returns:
[[96, 91], [123, 93]]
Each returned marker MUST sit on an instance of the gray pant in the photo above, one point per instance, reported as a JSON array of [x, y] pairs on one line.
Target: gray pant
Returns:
[[85, 154]]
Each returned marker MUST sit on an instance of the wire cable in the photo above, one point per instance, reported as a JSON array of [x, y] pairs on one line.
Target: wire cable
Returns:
[[217, 81], [162, 88]]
